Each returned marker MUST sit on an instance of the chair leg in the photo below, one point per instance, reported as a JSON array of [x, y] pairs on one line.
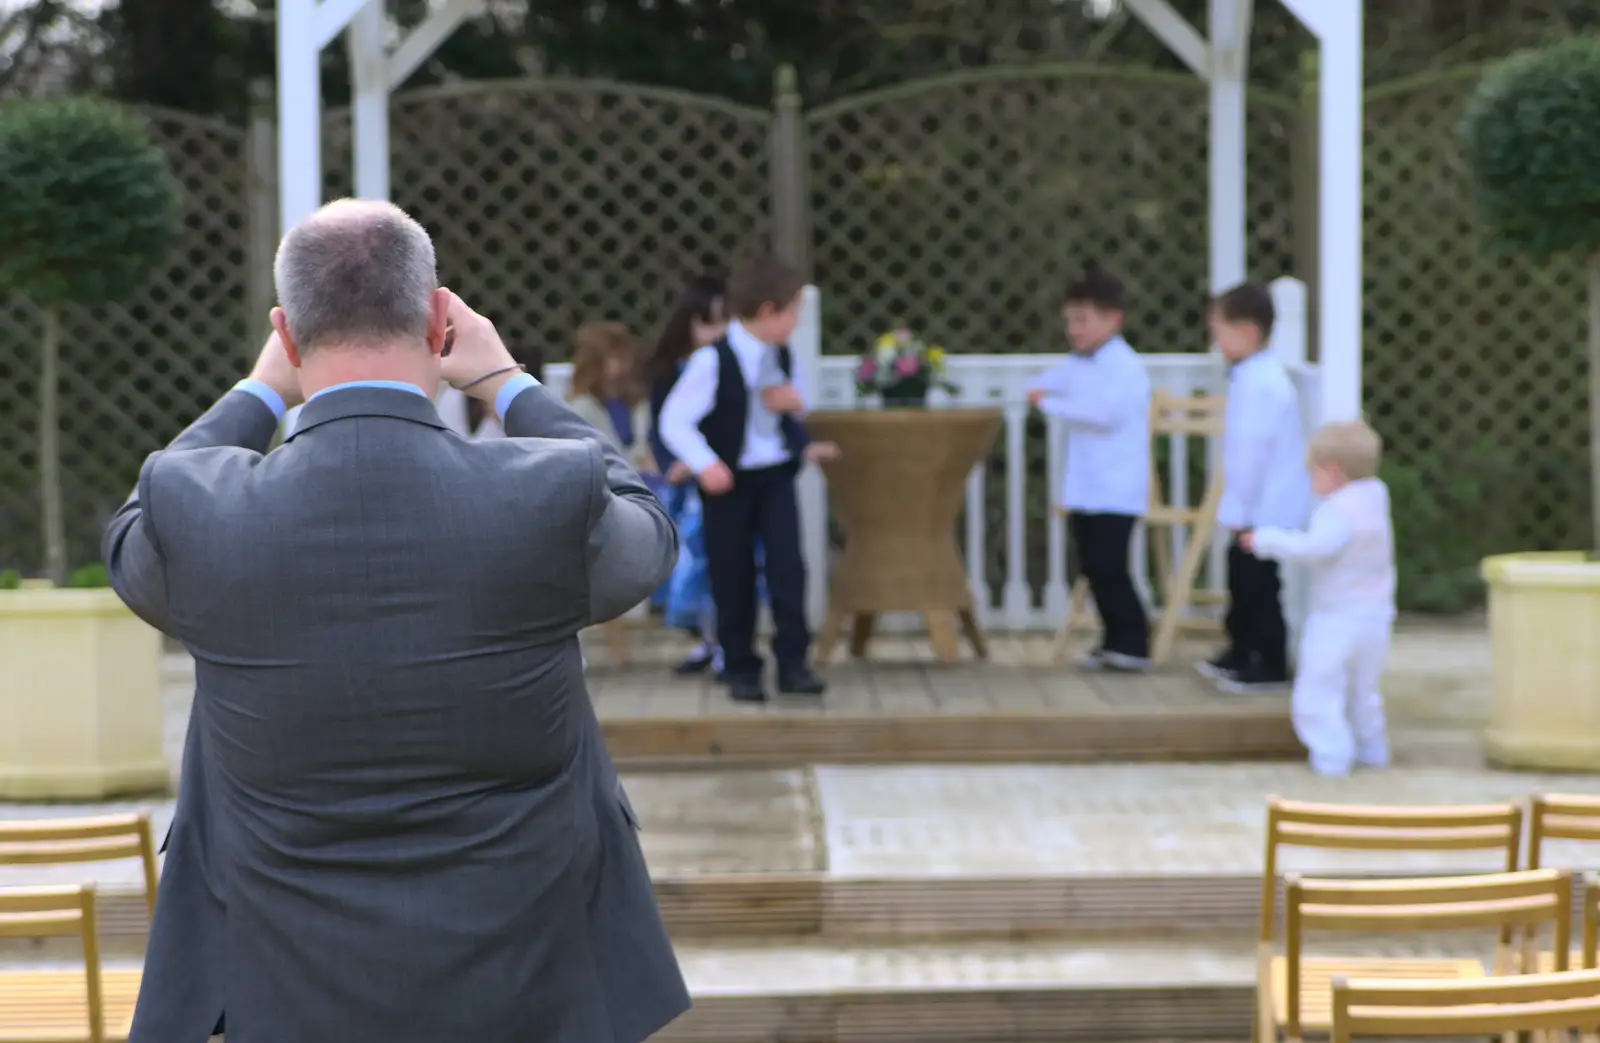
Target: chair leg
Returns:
[[1180, 593], [1076, 605], [832, 627]]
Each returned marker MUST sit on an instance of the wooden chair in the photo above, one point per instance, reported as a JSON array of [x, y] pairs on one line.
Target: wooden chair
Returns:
[[74, 840], [1452, 1009], [62, 1006], [1491, 828], [1567, 816], [1298, 994], [1175, 417]]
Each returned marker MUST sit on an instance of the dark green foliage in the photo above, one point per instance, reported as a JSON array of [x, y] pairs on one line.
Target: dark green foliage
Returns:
[[1532, 131], [88, 206], [89, 577]]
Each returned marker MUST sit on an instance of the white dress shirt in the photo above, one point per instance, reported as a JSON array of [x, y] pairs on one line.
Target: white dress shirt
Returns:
[[695, 393], [1265, 481], [1104, 401], [1349, 550]]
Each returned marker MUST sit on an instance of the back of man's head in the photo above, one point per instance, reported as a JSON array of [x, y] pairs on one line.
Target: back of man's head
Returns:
[[356, 273]]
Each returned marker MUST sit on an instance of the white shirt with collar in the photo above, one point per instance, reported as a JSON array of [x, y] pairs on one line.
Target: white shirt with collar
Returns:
[[1265, 481], [695, 394], [1104, 401], [1348, 548]]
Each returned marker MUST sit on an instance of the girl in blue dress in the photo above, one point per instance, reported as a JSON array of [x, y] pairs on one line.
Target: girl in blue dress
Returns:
[[697, 319]]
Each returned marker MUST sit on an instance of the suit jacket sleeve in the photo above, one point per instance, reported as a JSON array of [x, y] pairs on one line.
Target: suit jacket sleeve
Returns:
[[132, 543], [632, 545]]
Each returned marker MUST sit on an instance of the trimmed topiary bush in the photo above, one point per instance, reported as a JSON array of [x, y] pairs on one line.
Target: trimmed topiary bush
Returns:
[[88, 208], [1532, 133]]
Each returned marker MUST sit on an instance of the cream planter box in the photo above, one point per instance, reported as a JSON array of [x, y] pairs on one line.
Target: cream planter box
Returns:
[[80, 697], [1544, 632]]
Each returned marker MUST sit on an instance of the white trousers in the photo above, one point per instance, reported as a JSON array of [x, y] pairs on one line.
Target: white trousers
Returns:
[[1337, 707]]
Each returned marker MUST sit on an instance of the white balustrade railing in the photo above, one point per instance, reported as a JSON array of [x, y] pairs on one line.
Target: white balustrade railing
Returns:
[[1000, 382]]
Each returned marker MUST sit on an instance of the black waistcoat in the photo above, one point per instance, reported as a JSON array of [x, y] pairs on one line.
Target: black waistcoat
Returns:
[[724, 426]]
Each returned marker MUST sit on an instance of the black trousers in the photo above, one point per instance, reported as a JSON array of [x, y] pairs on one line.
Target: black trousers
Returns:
[[1258, 637], [760, 504], [1102, 543]]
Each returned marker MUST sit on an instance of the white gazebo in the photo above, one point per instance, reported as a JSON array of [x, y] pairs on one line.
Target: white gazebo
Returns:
[[379, 66]]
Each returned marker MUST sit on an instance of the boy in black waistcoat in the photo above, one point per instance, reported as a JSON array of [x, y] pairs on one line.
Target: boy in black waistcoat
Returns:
[[732, 418]]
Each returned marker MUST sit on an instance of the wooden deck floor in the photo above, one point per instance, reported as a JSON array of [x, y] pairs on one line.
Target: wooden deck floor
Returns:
[[901, 705]]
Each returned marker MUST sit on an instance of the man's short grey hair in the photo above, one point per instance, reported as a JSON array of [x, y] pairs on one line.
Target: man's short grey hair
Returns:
[[356, 272]]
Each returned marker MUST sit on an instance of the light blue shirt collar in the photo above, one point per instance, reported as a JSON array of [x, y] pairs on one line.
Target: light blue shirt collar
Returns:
[[391, 385]]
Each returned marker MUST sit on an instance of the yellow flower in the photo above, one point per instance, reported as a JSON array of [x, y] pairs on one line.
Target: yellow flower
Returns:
[[886, 341], [936, 356]]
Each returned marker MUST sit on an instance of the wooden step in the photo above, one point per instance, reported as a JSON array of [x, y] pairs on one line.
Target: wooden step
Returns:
[[1019, 706], [996, 993], [1084, 990], [1255, 729]]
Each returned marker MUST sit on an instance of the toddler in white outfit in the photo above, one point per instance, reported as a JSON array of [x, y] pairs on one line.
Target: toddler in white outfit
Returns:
[[1349, 551]]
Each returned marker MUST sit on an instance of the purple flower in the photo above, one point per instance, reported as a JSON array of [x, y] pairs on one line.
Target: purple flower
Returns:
[[906, 366], [868, 371]]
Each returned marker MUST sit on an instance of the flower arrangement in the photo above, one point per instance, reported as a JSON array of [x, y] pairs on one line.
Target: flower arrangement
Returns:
[[902, 369]]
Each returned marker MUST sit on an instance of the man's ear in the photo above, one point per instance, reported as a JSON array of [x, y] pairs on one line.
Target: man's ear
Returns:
[[438, 319], [280, 324]]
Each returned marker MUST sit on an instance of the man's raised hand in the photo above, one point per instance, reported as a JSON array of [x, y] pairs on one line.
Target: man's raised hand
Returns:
[[475, 352]]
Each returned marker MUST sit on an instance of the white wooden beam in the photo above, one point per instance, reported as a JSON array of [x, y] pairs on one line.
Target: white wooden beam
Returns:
[[422, 41], [330, 18], [1339, 211], [369, 103], [1313, 14], [1181, 38], [1227, 169], [299, 112]]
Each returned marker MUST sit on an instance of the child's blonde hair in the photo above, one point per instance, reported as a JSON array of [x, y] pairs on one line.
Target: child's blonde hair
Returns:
[[1352, 446]]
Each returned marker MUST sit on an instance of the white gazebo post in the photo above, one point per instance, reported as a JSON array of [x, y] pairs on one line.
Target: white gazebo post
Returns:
[[1229, 175], [305, 27], [1338, 25]]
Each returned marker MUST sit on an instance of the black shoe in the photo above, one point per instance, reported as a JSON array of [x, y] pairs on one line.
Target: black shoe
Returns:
[[1255, 680], [1221, 667], [746, 690], [1124, 663], [698, 663], [801, 680]]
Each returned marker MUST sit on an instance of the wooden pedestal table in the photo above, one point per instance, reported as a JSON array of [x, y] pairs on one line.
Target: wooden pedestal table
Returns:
[[896, 490]]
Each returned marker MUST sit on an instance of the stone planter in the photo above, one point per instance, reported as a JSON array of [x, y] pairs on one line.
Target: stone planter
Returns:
[[80, 697], [1544, 630]]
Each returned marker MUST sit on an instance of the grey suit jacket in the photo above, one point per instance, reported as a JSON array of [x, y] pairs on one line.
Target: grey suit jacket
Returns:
[[396, 819]]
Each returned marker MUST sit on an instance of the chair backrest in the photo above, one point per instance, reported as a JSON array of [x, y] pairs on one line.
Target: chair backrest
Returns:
[[1525, 900], [1181, 417], [47, 912], [100, 839], [1357, 827], [1561, 816], [1591, 921], [1476, 1007]]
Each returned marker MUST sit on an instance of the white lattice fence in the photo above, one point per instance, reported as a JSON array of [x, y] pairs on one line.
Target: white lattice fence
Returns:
[[1475, 363], [964, 205], [557, 202], [133, 374]]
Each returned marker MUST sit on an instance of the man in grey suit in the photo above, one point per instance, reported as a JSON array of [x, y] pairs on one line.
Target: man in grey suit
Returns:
[[396, 820]]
